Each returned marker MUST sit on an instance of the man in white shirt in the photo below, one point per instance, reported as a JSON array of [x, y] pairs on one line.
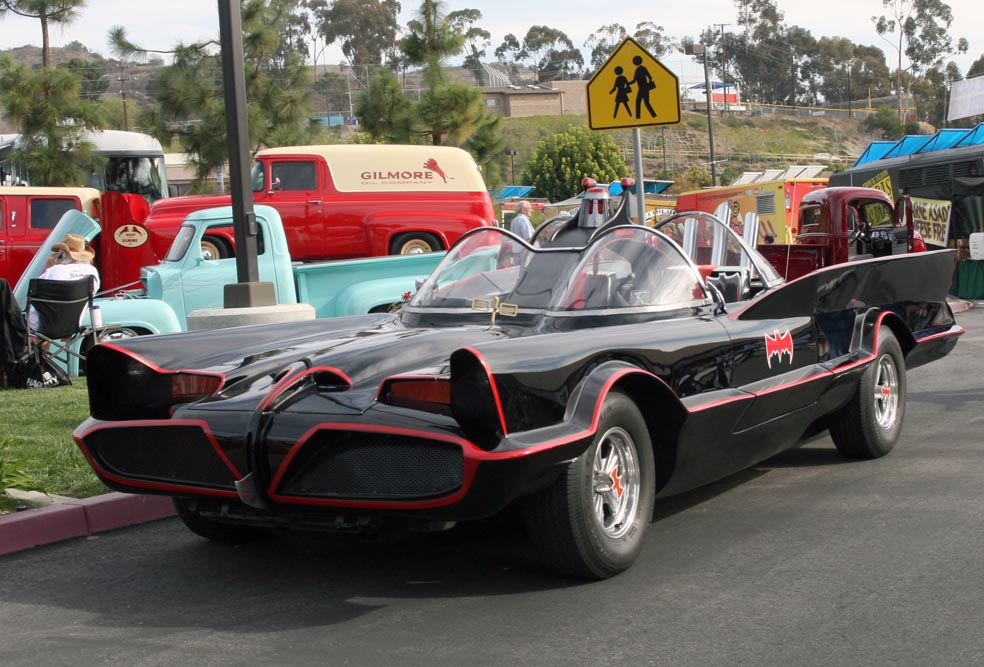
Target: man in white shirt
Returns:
[[70, 259], [520, 224]]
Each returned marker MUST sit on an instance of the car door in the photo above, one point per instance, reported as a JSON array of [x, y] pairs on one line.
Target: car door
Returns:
[[31, 222], [293, 189]]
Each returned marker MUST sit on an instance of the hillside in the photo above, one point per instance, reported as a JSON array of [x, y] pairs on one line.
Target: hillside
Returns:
[[741, 142], [746, 143]]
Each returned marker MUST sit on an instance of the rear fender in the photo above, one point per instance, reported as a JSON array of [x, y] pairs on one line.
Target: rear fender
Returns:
[[382, 228], [362, 298]]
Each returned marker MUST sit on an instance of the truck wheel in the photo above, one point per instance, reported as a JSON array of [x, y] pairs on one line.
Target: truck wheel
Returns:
[[106, 334], [189, 511], [592, 522], [869, 425], [415, 243], [213, 248]]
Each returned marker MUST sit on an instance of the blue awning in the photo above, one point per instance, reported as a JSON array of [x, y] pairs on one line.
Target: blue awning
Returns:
[[907, 145], [974, 137], [946, 138], [875, 151], [510, 191]]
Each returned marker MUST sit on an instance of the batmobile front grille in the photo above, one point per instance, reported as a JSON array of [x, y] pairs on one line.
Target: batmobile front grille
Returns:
[[180, 454], [350, 465]]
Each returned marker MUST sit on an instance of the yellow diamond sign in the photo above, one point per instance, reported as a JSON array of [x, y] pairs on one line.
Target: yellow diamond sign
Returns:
[[632, 89]]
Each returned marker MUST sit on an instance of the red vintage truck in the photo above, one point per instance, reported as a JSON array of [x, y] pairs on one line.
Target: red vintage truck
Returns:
[[843, 224], [344, 201], [27, 216]]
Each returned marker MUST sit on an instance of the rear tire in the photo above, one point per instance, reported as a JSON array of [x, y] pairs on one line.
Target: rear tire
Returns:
[[213, 248], [414, 243], [189, 513], [592, 522], [869, 425]]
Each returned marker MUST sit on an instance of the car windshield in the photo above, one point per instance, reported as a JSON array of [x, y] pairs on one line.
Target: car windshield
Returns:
[[180, 244], [709, 242], [625, 267]]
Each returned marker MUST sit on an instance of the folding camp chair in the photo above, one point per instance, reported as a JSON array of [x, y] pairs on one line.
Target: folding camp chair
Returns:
[[59, 305]]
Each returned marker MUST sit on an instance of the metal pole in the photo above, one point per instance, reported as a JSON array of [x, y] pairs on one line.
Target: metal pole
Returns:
[[710, 128], [248, 291], [640, 195]]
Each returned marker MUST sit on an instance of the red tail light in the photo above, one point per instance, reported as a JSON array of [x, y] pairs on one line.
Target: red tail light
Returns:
[[427, 394], [189, 387]]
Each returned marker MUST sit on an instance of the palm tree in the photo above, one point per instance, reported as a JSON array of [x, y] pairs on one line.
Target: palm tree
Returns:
[[59, 12]]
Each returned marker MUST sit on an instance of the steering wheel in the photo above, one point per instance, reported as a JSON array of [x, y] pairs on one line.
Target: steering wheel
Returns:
[[623, 289], [860, 233]]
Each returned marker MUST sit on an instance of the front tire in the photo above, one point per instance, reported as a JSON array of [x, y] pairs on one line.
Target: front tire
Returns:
[[869, 425], [190, 513], [416, 243], [592, 522]]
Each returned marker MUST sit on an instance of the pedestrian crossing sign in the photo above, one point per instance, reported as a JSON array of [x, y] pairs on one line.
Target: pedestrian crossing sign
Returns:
[[632, 89]]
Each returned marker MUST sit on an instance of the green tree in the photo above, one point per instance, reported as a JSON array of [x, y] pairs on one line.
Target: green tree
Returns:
[[920, 29], [773, 63], [333, 93], [190, 98], [48, 12], [549, 53], [383, 111], [449, 112], [366, 30], [603, 41], [477, 40], [46, 107], [561, 160], [884, 122], [976, 67], [91, 77]]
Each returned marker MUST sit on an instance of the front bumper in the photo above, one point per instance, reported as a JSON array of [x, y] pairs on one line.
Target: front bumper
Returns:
[[303, 466]]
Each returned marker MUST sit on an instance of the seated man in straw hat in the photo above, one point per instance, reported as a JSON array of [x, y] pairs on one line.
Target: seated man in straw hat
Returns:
[[70, 259]]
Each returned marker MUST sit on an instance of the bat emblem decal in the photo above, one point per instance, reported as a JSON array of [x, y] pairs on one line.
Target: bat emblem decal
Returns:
[[778, 345]]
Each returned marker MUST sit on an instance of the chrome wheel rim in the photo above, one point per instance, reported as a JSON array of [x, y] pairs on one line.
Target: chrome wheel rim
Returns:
[[415, 247], [886, 392], [615, 482]]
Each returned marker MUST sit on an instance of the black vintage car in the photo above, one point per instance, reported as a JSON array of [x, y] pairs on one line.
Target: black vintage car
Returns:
[[581, 381]]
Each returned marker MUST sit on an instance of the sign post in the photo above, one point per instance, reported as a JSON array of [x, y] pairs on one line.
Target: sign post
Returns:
[[632, 89]]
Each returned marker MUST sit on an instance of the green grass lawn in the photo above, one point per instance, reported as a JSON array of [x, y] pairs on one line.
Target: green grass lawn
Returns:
[[38, 424]]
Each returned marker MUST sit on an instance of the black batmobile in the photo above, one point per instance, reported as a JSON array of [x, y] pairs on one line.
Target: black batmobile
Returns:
[[580, 381]]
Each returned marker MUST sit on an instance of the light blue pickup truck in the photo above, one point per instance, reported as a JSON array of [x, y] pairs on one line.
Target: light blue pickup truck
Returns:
[[185, 281]]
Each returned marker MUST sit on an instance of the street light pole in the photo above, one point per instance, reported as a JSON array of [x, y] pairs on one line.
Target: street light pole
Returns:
[[249, 291], [701, 50]]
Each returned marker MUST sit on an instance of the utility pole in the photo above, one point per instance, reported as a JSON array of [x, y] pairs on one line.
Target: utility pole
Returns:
[[123, 79], [701, 50], [724, 73]]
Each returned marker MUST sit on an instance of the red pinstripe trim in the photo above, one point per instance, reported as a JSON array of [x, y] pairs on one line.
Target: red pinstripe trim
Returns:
[[290, 379], [492, 384], [471, 460], [959, 331], [164, 371], [80, 436]]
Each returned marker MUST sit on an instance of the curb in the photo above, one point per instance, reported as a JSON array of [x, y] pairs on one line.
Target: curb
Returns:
[[79, 518]]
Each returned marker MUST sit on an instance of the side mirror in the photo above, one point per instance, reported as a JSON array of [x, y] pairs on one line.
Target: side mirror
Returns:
[[274, 186]]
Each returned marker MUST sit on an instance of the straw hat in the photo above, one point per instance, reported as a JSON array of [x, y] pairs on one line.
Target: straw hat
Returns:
[[76, 247]]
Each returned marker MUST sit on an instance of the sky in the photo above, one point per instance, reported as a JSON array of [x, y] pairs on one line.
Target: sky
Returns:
[[162, 24]]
